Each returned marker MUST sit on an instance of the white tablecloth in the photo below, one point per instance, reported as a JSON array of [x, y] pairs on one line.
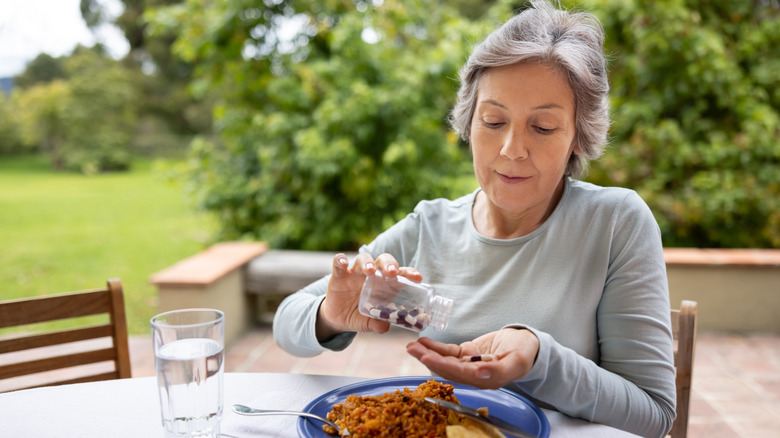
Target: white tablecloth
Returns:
[[130, 408]]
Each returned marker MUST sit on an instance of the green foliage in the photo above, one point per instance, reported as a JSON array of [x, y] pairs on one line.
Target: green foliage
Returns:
[[41, 70], [327, 137], [84, 122], [10, 127], [100, 118], [696, 102], [162, 79], [41, 117]]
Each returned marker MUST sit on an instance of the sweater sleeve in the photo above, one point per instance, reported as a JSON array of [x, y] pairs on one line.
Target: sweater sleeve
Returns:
[[632, 385], [295, 322]]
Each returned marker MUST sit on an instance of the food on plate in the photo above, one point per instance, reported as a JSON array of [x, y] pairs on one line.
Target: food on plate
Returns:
[[468, 428], [405, 413]]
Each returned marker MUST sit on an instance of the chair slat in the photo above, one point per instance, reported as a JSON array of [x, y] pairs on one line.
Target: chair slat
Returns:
[[57, 362], [676, 323], [55, 338], [684, 328], [53, 307], [119, 322]]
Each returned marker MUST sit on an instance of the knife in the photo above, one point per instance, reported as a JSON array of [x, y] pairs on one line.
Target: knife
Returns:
[[496, 422]]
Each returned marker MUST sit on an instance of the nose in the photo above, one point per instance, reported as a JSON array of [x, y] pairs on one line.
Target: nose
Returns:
[[514, 146]]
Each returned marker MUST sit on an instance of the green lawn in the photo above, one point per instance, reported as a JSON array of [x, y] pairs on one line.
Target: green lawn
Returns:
[[62, 232]]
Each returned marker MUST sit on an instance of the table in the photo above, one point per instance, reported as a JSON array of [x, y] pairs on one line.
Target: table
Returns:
[[130, 408]]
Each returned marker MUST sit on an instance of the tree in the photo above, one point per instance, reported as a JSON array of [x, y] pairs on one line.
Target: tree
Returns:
[[697, 117], [41, 115], [41, 70], [84, 123], [163, 78], [326, 136], [10, 127], [99, 116]]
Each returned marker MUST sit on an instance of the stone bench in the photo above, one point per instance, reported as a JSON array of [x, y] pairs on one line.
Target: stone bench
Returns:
[[278, 273]]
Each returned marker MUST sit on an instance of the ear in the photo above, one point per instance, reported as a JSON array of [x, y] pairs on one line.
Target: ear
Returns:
[[575, 147]]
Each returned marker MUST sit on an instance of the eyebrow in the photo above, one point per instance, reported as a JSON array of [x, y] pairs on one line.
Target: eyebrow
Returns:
[[540, 107]]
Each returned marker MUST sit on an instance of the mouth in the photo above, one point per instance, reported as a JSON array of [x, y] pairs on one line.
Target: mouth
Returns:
[[509, 179]]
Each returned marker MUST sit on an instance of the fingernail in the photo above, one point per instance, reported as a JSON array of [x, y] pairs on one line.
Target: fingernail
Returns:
[[483, 374], [392, 268], [369, 265]]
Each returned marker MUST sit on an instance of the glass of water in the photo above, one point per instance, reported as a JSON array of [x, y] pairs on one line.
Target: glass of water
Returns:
[[189, 351]]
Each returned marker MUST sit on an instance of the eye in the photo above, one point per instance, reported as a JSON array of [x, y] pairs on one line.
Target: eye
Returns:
[[544, 131], [492, 123]]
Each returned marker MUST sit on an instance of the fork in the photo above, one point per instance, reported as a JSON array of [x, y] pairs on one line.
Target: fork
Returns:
[[246, 410]]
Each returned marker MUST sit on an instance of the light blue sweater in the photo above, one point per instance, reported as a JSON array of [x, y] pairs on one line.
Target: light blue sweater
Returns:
[[590, 283]]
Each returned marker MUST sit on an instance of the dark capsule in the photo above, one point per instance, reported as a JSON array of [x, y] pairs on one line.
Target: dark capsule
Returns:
[[481, 358]]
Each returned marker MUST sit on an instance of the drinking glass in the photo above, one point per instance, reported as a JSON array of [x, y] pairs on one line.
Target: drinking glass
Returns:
[[189, 351]]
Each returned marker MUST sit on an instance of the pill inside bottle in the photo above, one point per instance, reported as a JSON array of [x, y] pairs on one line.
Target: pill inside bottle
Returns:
[[404, 303]]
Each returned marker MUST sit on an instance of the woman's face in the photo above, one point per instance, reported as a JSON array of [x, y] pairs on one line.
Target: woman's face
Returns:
[[521, 138]]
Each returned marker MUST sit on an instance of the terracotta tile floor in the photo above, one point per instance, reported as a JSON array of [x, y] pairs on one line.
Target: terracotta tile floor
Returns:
[[736, 378]]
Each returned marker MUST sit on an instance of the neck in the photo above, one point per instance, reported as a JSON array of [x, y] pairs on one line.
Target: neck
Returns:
[[494, 222]]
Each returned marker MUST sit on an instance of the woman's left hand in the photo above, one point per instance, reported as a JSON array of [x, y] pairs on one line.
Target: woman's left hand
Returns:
[[488, 362]]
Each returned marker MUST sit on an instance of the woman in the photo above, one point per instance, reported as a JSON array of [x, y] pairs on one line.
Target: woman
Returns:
[[563, 282]]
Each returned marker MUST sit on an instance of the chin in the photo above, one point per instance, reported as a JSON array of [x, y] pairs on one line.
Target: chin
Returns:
[[511, 203]]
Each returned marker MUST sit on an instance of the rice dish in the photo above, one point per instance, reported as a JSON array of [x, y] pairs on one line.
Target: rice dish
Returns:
[[403, 413]]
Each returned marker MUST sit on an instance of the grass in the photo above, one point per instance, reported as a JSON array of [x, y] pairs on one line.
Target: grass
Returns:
[[63, 232]]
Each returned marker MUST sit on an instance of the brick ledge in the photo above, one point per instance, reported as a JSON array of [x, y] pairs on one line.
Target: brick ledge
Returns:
[[210, 265], [759, 258]]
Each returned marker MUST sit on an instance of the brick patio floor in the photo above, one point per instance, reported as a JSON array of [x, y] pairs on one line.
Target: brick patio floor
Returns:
[[736, 378]]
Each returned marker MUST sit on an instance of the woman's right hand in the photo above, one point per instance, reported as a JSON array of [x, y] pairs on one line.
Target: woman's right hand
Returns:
[[339, 312]]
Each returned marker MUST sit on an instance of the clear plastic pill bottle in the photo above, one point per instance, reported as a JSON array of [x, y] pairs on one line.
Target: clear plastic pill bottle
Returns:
[[404, 303]]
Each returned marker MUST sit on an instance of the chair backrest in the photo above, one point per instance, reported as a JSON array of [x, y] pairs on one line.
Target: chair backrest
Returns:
[[21, 363], [684, 329]]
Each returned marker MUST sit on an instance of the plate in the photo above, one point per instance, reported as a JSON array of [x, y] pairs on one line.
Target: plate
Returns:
[[501, 403]]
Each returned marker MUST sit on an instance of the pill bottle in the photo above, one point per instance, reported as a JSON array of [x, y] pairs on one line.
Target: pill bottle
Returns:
[[404, 303]]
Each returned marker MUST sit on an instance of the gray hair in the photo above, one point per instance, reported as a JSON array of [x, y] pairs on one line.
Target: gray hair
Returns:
[[570, 42]]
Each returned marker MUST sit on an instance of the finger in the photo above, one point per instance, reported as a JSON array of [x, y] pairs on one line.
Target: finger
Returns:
[[411, 273], [388, 265], [416, 349], [484, 375], [447, 367], [378, 326], [364, 264], [340, 265], [440, 347]]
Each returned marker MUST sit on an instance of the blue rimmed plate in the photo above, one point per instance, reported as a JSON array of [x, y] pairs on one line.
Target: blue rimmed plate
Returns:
[[501, 403]]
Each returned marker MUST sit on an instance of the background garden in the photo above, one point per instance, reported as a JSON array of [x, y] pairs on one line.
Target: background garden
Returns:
[[316, 124]]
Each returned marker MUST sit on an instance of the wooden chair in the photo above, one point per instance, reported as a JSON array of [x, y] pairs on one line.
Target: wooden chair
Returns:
[[684, 329], [107, 301]]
